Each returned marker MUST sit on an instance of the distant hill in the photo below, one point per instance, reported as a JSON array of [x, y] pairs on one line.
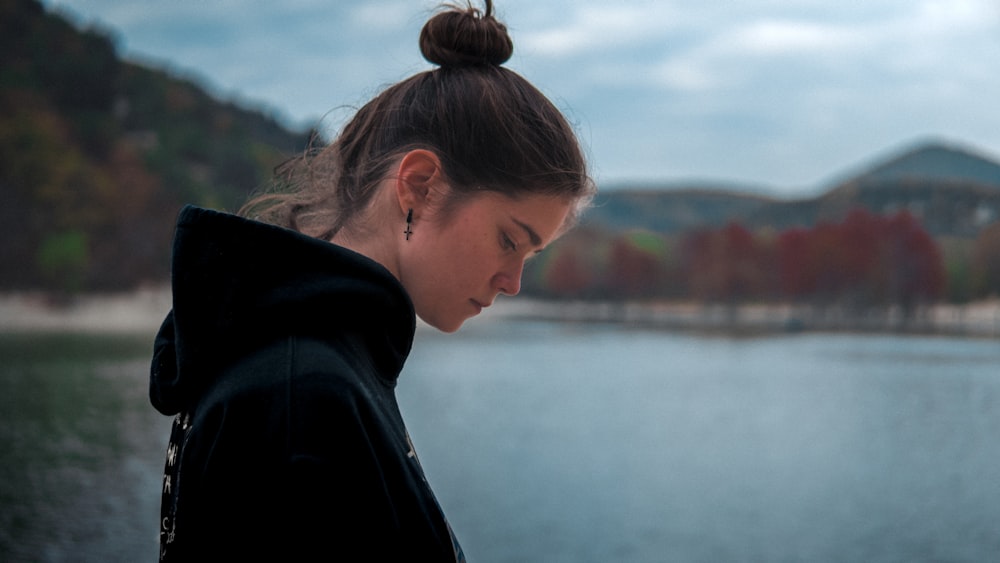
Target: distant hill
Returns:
[[953, 191], [97, 155], [672, 210], [938, 162]]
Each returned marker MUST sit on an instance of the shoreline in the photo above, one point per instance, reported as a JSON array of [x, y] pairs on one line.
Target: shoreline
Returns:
[[142, 311], [974, 320]]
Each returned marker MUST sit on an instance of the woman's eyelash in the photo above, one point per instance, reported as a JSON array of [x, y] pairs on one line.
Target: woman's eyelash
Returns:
[[508, 243]]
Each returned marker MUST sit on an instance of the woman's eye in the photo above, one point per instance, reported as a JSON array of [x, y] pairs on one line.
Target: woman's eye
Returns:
[[508, 243]]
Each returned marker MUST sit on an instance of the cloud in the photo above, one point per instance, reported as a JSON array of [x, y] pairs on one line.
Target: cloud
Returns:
[[775, 37], [390, 16], [595, 28], [955, 16]]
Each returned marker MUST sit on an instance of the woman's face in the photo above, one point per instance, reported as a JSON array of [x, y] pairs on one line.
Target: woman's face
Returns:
[[453, 268]]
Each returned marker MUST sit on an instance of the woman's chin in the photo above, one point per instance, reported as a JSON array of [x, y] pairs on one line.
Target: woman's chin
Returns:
[[447, 326]]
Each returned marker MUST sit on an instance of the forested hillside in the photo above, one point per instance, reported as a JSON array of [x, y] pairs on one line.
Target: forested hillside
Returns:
[[97, 154]]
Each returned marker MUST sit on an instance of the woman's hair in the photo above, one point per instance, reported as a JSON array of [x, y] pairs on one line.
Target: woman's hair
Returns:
[[491, 129]]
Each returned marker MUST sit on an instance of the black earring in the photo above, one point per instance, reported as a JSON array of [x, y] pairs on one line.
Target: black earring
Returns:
[[409, 220]]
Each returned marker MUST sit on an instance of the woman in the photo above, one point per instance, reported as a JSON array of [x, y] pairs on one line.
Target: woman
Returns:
[[281, 353]]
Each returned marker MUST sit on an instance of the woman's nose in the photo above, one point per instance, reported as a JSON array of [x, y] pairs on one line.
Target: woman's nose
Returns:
[[509, 282]]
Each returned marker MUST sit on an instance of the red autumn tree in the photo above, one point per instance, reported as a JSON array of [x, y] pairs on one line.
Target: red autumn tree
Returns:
[[864, 260], [637, 265], [727, 265], [913, 262], [986, 262]]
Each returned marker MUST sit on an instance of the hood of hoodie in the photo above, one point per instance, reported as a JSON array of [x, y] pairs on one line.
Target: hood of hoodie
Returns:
[[240, 284]]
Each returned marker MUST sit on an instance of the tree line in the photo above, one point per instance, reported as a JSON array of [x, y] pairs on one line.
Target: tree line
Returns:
[[864, 261]]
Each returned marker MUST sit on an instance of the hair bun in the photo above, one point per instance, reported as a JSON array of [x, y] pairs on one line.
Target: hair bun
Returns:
[[466, 37]]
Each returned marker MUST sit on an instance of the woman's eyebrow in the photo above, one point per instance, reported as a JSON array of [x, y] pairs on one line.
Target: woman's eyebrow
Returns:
[[535, 239]]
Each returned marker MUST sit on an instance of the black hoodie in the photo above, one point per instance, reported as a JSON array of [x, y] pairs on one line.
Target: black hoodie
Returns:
[[279, 360]]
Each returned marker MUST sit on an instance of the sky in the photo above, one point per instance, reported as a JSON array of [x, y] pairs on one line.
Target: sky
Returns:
[[782, 96]]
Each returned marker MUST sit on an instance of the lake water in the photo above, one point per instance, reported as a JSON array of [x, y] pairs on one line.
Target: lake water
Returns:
[[576, 443]]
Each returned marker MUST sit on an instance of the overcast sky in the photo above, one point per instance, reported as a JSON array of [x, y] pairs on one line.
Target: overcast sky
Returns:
[[781, 94]]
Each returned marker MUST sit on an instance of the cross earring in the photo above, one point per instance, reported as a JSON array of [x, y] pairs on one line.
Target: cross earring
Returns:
[[409, 220]]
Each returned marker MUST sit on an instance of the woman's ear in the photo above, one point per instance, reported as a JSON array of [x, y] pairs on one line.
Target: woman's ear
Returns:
[[419, 171]]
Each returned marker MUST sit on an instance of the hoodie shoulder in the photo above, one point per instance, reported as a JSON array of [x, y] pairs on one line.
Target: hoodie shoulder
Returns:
[[239, 284]]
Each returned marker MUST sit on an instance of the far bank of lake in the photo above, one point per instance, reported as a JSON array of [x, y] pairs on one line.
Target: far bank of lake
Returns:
[[144, 309], [981, 319]]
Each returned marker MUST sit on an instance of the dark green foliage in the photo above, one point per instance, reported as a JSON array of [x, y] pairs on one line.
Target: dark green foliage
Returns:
[[63, 259]]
